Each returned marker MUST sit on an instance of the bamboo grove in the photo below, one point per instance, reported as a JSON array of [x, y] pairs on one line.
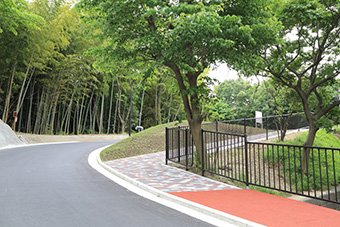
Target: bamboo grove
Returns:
[[48, 78]]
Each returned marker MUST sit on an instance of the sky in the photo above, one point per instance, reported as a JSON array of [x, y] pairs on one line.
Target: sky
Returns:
[[222, 72]]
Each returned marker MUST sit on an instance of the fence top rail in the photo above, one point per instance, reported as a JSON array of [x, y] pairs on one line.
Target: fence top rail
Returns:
[[236, 120], [298, 146], [253, 118], [183, 128], [225, 133]]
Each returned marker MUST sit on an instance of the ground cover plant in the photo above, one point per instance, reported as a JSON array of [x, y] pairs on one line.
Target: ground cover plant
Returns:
[[148, 141], [324, 165]]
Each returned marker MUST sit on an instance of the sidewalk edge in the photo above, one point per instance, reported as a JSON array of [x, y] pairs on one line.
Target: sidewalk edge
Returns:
[[221, 216]]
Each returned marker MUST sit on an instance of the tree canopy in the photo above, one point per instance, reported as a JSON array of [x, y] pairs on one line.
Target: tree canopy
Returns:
[[306, 59], [186, 36]]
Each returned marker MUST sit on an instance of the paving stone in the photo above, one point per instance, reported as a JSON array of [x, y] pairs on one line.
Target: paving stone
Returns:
[[150, 170]]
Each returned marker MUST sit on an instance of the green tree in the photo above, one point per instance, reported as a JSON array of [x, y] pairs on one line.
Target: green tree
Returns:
[[15, 14], [306, 60], [186, 36]]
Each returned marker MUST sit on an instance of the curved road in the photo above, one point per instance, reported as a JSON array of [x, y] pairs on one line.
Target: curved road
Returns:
[[53, 185]]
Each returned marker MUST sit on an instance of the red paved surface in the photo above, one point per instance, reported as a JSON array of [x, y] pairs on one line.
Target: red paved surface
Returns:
[[264, 208]]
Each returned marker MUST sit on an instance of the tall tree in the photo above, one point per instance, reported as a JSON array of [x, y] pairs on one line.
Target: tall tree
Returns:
[[306, 60], [185, 36]]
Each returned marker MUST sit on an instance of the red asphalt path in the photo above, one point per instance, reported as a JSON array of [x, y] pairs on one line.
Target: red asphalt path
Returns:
[[265, 209]]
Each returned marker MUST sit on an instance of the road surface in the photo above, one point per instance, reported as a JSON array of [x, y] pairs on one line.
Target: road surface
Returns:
[[53, 185]]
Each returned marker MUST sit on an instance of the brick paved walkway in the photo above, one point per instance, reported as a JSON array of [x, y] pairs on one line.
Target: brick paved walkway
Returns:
[[150, 170]]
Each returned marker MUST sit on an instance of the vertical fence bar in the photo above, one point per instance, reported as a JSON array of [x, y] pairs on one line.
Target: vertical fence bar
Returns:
[[326, 163], [186, 149], [335, 183], [320, 174], [266, 128], [313, 165], [179, 144], [166, 145], [246, 161], [192, 148], [245, 126], [202, 150]]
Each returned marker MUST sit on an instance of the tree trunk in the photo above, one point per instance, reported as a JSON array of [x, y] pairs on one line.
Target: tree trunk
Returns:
[[191, 105], [29, 118], [101, 115], [169, 112], [54, 110], [9, 93], [22, 93], [141, 109], [158, 102], [44, 121], [88, 110], [130, 108], [38, 115], [285, 127], [80, 115], [94, 114], [110, 109], [115, 118], [309, 142]]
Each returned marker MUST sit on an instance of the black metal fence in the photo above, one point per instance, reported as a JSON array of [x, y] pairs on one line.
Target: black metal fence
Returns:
[[179, 146], [269, 165], [179, 143], [273, 166]]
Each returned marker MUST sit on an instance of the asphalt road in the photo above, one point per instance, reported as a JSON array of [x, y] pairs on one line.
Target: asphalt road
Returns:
[[53, 185]]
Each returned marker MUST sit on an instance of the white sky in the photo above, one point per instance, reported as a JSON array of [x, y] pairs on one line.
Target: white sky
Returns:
[[222, 72]]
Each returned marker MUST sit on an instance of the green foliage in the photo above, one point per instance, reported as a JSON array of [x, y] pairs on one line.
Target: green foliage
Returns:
[[239, 99], [14, 15], [322, 164], [306, 58], [148, 141], [184, 36]]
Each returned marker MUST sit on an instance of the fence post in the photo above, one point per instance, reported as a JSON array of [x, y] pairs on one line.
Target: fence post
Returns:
[[216, 126], [202, 144], [179, 144], [246, 160], [186, 149], [166, 145], [266, 128], [245, 127]]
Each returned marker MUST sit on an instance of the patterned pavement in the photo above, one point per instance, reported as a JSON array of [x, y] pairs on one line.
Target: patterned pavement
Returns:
[[150, 169]]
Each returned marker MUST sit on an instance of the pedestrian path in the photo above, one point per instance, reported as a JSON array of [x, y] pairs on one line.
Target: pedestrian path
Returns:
[[257, 207], [150, 170]]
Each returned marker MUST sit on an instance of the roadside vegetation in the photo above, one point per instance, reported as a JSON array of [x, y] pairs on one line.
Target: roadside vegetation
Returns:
[[148, 141], [321, 161], [152, 140]]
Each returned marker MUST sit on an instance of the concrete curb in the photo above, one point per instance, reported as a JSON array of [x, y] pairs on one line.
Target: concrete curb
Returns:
[[221, 218]]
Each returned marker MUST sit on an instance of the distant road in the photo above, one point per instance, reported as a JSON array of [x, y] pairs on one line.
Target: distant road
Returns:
[[53, 185]]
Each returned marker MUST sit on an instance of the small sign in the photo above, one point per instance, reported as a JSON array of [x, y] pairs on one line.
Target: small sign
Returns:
[[15, 114], [258, 116]]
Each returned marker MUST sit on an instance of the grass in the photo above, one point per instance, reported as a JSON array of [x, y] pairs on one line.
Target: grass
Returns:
[[322, 170], [148, 141], [153, 140]]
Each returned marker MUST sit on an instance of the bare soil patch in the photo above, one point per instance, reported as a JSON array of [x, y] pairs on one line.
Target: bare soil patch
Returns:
[[33, 138]]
